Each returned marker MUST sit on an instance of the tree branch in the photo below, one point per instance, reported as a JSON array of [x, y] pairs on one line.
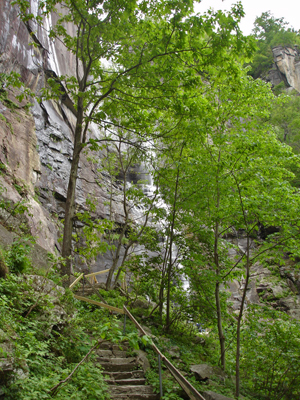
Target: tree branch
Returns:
[[55, 388]]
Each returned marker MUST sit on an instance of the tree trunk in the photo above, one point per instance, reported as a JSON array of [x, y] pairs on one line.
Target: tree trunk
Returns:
[[70, 201], [217, 288], [220, 328], [162, 282], [116, 258], [169, 271], [168, 304], [238, 328]]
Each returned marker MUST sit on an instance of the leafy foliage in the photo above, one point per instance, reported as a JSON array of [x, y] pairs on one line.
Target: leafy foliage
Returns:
[[271, 354], [46, 350], [17, 255], [285, 119]]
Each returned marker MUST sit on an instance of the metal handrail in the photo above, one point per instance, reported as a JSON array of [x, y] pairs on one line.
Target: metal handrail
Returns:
[[183, 382]]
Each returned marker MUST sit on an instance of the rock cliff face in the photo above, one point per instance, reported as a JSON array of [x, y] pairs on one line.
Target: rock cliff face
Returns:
[[286, 67], [36, 143], [276, 284]]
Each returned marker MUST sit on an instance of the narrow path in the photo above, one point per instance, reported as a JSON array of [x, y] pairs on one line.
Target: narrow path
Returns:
[[126, 381]]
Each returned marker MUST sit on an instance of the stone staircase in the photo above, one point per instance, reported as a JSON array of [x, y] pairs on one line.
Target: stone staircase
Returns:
[[87, 290], [126, 381]]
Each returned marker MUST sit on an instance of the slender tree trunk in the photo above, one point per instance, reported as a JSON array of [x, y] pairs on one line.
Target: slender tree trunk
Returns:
[[116, 258], [169, 271], [122, 263], [238, 328], [168, 305], [70, 201], [220, 327], [162, 284], [217, 288], [218, 302]]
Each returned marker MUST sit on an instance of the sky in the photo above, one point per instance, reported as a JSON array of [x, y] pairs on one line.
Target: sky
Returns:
[[288, 9]]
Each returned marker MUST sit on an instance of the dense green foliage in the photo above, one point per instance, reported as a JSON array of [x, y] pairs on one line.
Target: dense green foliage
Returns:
[[285, 120], [273, 354], [47, 332]]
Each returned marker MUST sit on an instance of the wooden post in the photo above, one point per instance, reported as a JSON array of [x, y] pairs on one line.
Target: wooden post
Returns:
[[96, 273], [76, 280], [97, 303]]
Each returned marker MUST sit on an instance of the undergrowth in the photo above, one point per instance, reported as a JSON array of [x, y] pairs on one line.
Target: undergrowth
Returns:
[[45, 332]]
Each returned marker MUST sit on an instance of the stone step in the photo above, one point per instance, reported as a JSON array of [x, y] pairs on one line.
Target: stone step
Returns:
[[109, 367], [134, 396], [116, 360], [120, 347], [105, 346], [114, 347], [126, 382], [111, 353], [104, 353], [131, 390], [126, 375], [120, 353]]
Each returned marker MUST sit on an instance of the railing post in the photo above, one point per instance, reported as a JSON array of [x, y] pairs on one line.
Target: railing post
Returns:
[[160, 377], [124, 326]]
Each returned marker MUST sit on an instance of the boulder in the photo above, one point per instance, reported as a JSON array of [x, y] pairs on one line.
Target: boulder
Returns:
[[148, 332], [138, 303], [199, 340], [6, 357], [44, 285], [143, 360], [209, 395], [38, 255], [174, 352], [203, 372], [47, 289], [7, 367]]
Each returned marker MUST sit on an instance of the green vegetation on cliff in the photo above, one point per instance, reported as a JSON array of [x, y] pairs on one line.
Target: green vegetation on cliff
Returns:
[[270, 32]]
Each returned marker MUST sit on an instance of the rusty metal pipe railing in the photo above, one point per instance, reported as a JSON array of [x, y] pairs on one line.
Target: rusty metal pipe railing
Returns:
[[182, 381]]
